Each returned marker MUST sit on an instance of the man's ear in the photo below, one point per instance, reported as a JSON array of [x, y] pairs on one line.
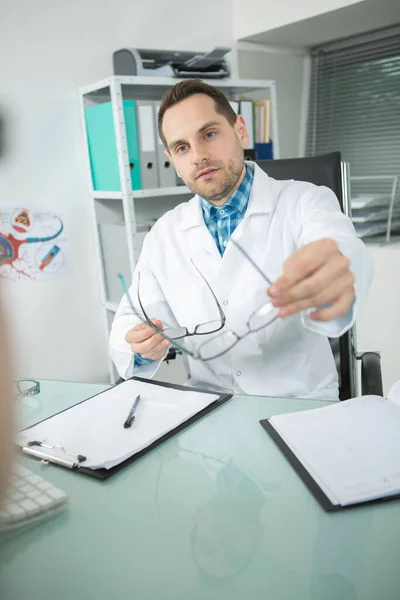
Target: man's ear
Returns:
[[167, 154], [241, 131]]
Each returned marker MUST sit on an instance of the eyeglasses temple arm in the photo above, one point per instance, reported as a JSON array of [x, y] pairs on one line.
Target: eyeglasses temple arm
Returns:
[[252, 262], [221, 312], [139, 300]]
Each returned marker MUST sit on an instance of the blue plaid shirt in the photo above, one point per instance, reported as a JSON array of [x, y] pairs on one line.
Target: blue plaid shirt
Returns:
[[222, 221]]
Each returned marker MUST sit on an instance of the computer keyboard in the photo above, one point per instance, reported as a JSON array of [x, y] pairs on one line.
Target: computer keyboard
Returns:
[[30, 499]]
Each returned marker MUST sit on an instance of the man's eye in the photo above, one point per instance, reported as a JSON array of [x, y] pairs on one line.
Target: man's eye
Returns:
[[210, 134], [181, 149]]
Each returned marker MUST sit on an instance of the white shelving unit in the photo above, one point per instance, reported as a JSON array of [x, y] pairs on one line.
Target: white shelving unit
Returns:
[[124, 210]]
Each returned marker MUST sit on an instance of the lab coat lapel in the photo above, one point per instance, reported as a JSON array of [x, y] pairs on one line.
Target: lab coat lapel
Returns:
[[201, 246], [260, 206]]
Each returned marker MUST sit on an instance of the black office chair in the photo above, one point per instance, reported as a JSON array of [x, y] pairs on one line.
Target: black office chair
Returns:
[[330, 171]]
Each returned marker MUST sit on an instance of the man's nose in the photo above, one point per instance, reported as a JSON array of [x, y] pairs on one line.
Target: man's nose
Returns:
[[199, 153]]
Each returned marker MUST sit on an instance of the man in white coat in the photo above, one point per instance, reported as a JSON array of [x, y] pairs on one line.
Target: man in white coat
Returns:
[[203, 270]]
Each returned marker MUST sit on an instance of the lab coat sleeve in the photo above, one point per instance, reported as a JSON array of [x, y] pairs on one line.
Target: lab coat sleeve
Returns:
[[156, 306], [320, 217]]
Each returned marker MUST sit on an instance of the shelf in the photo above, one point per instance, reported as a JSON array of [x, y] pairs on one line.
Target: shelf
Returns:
[[179, 190], [107, 195], [161, 84]]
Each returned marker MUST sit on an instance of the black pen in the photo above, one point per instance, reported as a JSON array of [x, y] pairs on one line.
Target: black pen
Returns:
[[131, 417]]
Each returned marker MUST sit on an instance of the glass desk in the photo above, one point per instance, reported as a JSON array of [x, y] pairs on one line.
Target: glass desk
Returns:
[[214, 513]]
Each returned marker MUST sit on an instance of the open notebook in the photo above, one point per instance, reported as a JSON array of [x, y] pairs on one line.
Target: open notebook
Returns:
[[91, 437], [347, 453]]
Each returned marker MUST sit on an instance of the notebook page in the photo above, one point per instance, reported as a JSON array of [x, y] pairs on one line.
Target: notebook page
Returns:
[[95, 428], [314, 475], [352, 448]]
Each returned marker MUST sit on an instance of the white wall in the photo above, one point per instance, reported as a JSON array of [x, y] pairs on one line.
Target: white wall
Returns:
[[47, 50], [290, 69], [254, 16], [378, 325]]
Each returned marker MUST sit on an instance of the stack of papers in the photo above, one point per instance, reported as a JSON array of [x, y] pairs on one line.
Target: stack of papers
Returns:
[[374, 228], [351, 449], [369, 200], [370, 214], [363, 216]]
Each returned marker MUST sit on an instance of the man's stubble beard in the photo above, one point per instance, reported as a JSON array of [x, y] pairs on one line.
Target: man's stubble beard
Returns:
[[224, 188]]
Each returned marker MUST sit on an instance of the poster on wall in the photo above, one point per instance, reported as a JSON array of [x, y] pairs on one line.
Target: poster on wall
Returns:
[[33, 245]]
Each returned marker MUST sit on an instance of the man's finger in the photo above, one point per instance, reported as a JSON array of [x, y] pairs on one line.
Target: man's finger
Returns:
[[156, 322], [328, 294], [338, 308], [335, 272], [147, 345], [135, 336], [158, 351], [302, 264], [142, 332]]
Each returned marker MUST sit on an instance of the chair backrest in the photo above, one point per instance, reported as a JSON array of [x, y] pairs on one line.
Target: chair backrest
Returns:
[[321, 170]]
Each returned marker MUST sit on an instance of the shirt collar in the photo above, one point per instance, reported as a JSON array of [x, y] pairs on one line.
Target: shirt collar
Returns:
[[239, 199], [262, 200]]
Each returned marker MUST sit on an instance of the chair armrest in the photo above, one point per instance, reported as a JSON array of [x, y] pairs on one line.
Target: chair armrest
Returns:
[[371, 374]]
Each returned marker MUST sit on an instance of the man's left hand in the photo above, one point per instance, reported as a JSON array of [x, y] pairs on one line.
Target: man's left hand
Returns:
[[313, 276]]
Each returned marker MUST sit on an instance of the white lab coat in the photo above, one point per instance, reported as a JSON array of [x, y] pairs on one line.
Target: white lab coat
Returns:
[[291, 357]]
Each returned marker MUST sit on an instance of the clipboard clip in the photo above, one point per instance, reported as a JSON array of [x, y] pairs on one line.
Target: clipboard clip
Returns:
[[43, 456]]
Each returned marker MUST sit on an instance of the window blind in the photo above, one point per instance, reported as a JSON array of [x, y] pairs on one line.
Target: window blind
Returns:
[[355, 107]]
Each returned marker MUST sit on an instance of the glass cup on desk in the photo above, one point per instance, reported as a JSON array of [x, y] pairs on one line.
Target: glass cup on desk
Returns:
[[225, 339]]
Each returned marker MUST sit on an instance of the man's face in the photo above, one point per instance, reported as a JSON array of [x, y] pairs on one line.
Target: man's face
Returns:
[[206, 151]]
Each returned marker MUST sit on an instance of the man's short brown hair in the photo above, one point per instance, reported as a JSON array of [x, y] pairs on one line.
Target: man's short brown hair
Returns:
[[186, 89]]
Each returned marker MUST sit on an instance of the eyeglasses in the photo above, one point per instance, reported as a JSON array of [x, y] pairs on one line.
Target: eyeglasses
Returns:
[[265, 315], [27, 387], [176, 333], [24, 390]]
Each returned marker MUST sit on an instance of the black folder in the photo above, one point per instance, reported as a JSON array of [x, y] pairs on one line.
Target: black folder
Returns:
[[103, 473]]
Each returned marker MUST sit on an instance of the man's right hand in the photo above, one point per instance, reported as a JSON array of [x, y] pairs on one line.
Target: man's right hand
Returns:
[[146, 341]]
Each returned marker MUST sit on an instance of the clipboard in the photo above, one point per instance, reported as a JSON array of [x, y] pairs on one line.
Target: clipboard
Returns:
[[38, 452], [307, 478]]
